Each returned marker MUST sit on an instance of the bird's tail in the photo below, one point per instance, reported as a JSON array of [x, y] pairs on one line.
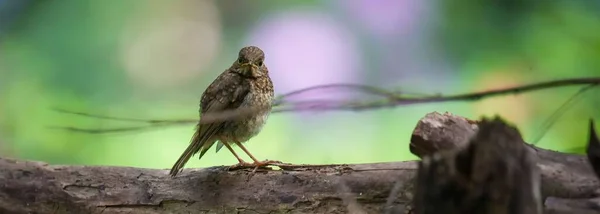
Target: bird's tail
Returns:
[[198, 142]]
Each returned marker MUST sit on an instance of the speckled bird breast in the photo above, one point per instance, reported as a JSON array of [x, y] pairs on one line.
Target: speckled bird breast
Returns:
[[243, 129]]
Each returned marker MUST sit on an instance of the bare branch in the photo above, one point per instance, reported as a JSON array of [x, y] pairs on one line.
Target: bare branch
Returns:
[[34, 187], [559, 112], [391, 99], [495, 173]]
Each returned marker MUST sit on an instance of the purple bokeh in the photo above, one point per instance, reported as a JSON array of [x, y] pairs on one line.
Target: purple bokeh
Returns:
[[400, 31], [385, 17], [304, 49]]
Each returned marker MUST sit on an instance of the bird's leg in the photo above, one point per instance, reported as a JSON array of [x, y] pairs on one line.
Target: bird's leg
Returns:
[[257, 163], [241, 162]]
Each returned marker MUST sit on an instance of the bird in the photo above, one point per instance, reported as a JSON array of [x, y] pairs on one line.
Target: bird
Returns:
[[245, 84]]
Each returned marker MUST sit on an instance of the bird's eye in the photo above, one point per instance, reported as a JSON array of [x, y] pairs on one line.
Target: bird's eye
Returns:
[[240, 60], [260, 63]]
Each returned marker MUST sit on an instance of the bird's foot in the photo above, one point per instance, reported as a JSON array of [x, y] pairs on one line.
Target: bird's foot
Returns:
[[266, 163], [256, 165], [240, 165]]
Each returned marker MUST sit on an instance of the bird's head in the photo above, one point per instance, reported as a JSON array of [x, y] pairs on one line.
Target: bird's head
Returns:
[[250, 62]]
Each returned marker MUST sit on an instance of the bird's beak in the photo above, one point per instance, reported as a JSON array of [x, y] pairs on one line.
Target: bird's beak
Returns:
[[250, 69]]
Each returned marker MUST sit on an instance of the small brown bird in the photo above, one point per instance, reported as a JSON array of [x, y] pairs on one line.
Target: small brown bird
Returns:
[[246, 84]]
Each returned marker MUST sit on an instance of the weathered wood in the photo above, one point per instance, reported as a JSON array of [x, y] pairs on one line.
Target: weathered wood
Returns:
[[563, 175], [35, 187], [568, 182], [495, 173]]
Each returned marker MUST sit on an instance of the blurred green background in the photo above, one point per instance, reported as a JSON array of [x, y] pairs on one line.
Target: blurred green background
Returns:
[[152, 59]]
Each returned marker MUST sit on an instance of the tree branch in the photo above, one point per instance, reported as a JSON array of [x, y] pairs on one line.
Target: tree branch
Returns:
[[35, 187], [494, 174], [384, 99], [41, 188], [563, 175]]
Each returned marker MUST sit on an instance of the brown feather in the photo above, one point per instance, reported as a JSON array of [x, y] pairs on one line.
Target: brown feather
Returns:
[[245, 84], [219, 96]]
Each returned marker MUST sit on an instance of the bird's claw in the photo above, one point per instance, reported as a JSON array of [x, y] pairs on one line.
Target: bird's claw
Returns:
[[267, 162], [255, 165]]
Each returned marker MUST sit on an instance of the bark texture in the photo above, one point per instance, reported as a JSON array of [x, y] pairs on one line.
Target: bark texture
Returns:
[[568, 183], [494, 174]]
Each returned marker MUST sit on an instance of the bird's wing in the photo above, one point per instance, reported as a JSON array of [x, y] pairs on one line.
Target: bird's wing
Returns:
[[227, 92]]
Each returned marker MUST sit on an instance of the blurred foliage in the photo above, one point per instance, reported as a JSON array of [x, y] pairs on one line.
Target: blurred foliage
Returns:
[[153, 60]]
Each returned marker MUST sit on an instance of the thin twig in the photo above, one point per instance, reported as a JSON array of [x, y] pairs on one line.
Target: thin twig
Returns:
[[559, 112], [125, 119], [363, 88], [392, 99]]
